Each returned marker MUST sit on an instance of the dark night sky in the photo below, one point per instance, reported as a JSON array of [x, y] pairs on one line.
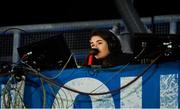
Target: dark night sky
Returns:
[[30, 12]]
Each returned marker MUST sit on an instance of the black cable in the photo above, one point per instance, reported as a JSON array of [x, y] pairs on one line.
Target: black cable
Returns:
[[36, 73], [103, 93], [112, 91], [125, 66]]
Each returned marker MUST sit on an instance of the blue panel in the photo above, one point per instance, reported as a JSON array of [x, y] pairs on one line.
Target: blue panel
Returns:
[[105, 83]]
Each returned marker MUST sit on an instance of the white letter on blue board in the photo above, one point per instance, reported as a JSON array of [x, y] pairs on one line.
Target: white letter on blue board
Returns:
[[65, 98]]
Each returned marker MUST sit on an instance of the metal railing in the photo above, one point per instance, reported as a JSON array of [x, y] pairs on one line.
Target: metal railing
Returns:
[[76, 34]]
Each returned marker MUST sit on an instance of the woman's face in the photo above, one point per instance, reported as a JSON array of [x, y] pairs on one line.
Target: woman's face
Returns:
[[101, 45]]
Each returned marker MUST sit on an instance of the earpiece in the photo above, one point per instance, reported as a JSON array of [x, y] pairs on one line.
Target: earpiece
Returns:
[[113, 41]]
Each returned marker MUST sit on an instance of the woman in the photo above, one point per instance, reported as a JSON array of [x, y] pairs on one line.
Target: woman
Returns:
[[109, 49]]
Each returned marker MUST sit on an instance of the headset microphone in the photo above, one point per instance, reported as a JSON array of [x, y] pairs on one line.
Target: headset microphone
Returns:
[[92, 52]]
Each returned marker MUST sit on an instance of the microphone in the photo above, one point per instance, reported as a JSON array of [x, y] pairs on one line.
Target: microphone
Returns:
[[92, 52]]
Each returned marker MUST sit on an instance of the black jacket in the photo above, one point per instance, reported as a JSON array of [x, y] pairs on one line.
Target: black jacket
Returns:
[[112, 60]]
